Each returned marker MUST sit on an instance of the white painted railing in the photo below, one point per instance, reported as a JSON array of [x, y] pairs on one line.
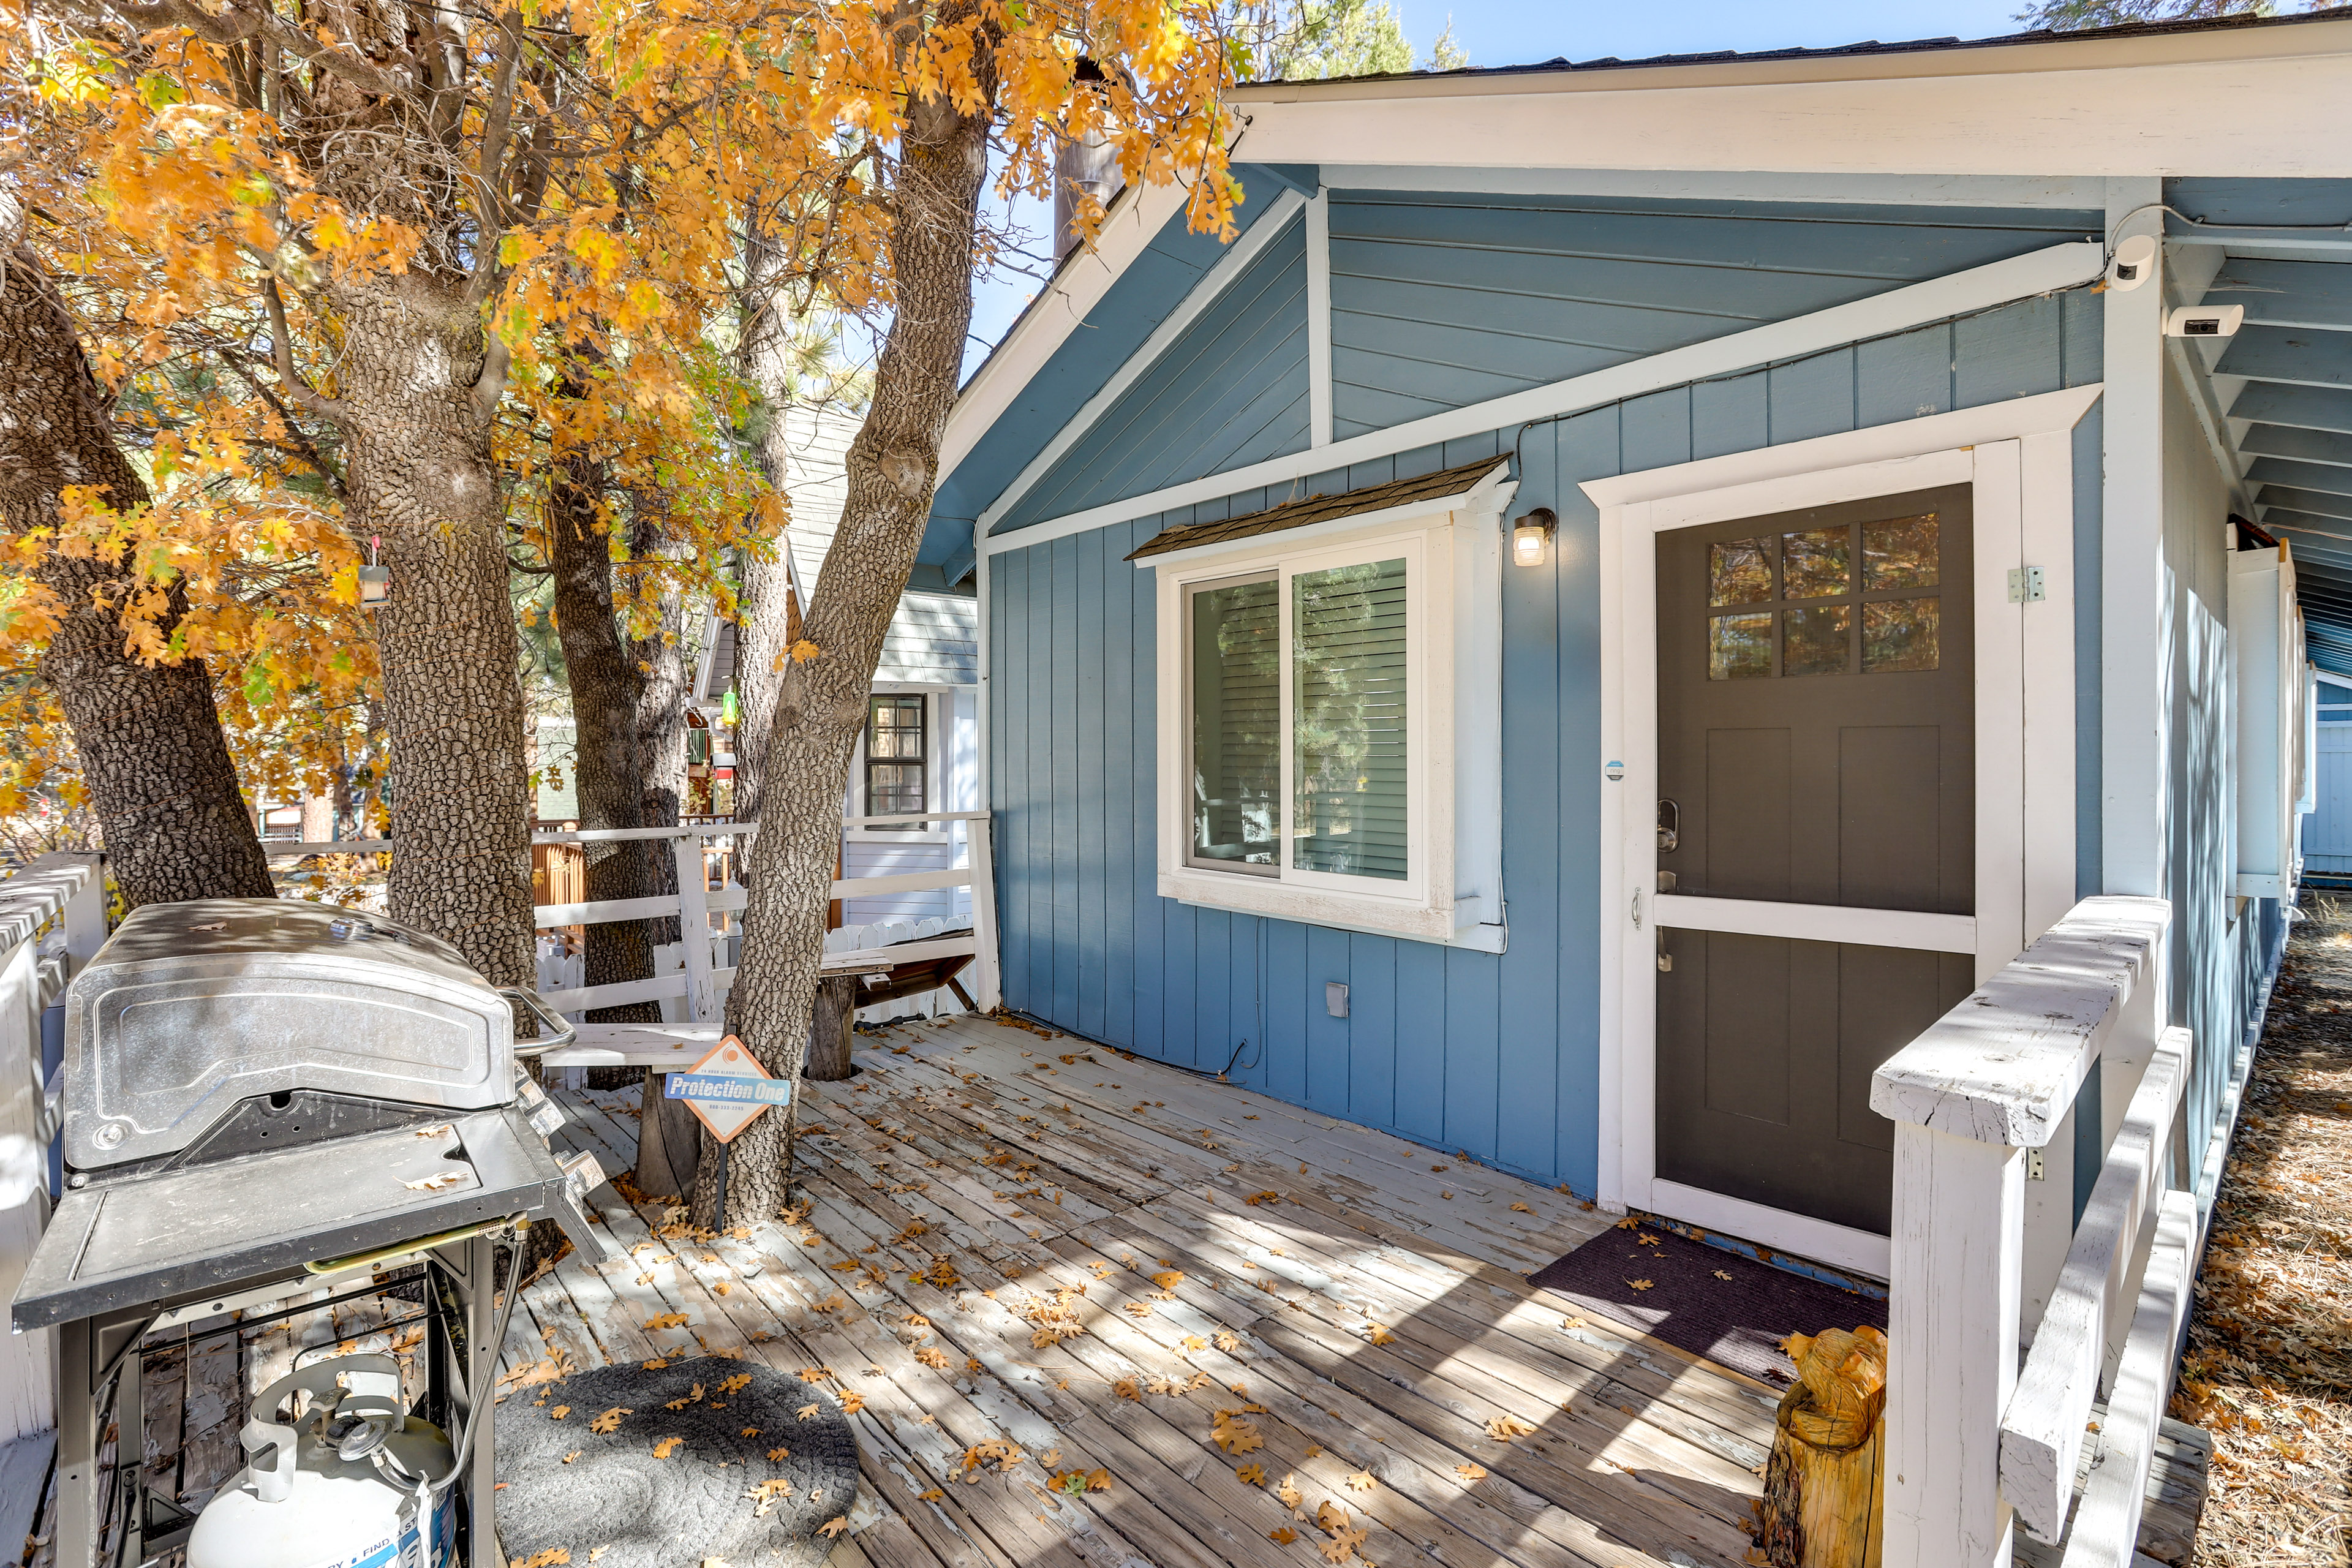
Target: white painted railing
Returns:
[[703, 979], [1974, 1445], [52, 919]]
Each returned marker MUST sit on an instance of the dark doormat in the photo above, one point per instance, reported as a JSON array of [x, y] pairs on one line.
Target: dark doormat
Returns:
[[674, 1463], [1730, 1309]]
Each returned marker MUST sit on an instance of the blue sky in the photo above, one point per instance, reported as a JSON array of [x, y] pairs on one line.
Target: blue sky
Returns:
[[1524, 32]]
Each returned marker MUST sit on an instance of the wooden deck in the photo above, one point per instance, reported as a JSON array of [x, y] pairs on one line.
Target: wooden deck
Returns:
[[1357, 1300]]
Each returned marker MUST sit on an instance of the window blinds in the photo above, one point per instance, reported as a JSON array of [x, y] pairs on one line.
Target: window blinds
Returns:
[[1236, 723], [1348, 783]]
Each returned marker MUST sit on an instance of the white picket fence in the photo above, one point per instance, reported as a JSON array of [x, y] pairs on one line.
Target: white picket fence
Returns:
[[1977, 1446], [52, 920], [696, 990]]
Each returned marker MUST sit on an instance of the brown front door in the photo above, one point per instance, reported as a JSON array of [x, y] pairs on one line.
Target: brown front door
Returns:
[[1816, 748]]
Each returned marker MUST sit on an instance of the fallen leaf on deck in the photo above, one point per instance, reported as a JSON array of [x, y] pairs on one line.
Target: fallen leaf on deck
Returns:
[[833, 1526], [1573, 1322], [1234, 1435], [666, 1321], [807, 1412], [1522, 1208], [1719, 1274], [932, 1356], [815, 1374], [1378, 1334], [1139, 1309], [1288, 1491], [667, 1445], [558, 1412], [1503, 1428], [1268, 1197], [1168, 1280], [1251, 1474], [932, 1495], [1642, 1284], [611, 1420], [547, 1559], [1194, 1342], [1282, 1536], [1361, 1481], [1470, 1474], [852, 1402], [1229, 1342]]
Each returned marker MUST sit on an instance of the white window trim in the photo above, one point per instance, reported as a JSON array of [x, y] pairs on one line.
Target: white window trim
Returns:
[[1454, 736], [2018, 458], [938, 712]]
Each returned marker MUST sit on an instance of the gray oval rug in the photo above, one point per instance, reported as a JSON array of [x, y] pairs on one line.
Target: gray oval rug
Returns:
[[733, 1471]]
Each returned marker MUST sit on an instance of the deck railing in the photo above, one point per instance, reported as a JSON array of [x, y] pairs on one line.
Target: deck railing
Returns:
[[52, 919], [703, 979], [1975, 1445]]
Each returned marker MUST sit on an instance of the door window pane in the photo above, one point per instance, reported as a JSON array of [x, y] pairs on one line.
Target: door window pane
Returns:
[[1740, 571], [1899, 634], [1347, 800], [1236, 723], [1900, 553], [896, 755], [1816, 564], [1739, 647], [1816, 641]]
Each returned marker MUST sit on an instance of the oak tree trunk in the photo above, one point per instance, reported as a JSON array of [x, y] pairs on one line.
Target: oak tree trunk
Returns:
[[770, 614], [664, 688], [607, 773], [152, 754], [421, 477], [821, 705]]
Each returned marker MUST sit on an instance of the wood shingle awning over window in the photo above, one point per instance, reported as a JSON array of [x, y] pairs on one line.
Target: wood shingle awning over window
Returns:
[[1445, 484]]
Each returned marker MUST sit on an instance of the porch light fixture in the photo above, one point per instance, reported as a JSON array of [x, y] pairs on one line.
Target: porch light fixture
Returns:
[[1528, 535]]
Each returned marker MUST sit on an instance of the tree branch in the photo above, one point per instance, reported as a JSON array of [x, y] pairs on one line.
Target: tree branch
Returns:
[[303, 447], [281, 352], [237, 24]]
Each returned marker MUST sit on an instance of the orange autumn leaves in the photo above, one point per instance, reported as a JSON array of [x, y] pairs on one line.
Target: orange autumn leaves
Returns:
[[218, 248]]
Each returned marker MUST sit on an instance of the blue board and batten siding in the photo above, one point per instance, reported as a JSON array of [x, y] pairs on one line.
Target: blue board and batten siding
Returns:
[[1497, 1055]]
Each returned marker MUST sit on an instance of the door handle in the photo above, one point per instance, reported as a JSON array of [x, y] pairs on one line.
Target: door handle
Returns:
[[1670, 823]]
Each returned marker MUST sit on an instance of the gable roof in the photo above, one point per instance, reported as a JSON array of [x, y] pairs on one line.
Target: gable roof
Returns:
[[1870, 48], [1444, 485]]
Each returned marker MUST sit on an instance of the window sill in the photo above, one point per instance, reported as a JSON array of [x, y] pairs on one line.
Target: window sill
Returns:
[[1246, 895]]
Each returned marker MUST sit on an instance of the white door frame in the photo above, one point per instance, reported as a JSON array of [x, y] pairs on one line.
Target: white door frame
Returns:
[[2018, 457]]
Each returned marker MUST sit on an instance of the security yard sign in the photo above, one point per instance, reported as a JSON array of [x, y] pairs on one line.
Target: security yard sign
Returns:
[[728, 1089]]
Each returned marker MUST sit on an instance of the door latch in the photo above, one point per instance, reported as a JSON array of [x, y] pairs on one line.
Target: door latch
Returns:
[[1670, 824], [1665, 959]]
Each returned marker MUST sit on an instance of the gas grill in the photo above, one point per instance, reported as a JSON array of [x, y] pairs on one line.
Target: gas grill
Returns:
[[265, 1101]]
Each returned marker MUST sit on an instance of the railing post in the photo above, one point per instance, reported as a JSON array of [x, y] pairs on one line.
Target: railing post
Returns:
[[694, 926], [1953, 1293], [987, 982]]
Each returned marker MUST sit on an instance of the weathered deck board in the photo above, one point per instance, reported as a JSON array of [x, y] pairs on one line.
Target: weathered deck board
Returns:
[[1029, 1176]]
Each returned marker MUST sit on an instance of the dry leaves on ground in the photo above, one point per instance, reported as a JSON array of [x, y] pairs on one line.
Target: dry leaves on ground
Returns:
[[667, 1445], [1503, 1428], [1234, 1435], [2268, 1370], [1470, 1474], [611, 1420]]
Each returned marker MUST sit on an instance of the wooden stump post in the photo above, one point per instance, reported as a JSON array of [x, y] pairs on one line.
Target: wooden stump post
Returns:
[[831, 1030], [1824, 1487], [669, 1142]]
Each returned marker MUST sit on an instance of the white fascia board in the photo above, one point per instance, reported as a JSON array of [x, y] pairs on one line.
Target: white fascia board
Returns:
[[1204, 293], [1998, 283], [1128, 231], [2056, 192], [2042, 116]]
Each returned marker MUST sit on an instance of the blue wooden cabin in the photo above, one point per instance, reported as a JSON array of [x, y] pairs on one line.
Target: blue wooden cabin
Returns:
[[1628, 589]]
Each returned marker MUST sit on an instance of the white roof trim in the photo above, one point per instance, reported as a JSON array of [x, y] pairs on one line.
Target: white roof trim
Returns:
[[2039, 117], [1134, 222], [1978, 288], [1204, 292]]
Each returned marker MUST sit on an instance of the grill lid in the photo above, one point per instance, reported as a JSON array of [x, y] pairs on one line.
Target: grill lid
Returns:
[[191, 1008]]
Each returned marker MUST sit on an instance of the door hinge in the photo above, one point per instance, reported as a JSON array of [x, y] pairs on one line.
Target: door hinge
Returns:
[[2025, 586]]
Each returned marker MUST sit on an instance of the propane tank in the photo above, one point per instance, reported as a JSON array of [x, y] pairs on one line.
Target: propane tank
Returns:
[[317, 1491]]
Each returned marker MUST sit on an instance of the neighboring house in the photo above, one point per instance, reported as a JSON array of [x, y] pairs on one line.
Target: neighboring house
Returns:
[[920, 749], [1564, 646], [2328, 831]]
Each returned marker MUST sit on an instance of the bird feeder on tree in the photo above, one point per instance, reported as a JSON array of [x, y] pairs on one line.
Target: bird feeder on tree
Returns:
[[375, 581]]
